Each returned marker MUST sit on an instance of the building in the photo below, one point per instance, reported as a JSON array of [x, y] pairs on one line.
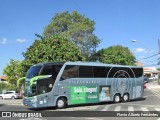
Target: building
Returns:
[[151, 72], [3, 79], [139, 64]]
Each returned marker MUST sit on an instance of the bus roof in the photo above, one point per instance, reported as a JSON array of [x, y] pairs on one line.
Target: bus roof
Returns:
[[87, 64], [98, 64]]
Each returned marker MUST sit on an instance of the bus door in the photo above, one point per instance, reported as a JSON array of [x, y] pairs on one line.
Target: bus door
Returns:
[[42, 90]]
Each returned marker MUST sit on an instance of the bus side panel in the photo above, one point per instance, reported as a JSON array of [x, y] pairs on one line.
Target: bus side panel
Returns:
[[132, 86], [52, 96], [84, 90]]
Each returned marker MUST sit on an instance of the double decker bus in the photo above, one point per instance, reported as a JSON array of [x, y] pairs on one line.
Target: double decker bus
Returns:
[[69, 83]]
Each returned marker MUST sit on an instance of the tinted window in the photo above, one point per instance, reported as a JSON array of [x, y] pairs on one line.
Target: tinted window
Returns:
[[47, 70], [100, 72], [122, 72], [138, 72], [56, 69], [119, 72], [70, 71], [42, 86], [8, 92], [86, 72], [33, 71]]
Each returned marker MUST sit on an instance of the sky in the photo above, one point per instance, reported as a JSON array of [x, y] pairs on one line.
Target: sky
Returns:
[[118, 22]]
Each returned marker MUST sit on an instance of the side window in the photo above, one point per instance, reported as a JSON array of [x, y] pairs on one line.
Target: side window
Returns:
[[99, 72], [118, 72], [47, 70], [42, 86], [138, 72], [112, 72], [56, 69], [125, 72], [86, 72], [70, 71]]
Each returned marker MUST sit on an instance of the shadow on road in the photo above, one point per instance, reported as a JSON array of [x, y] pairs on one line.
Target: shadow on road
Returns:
[[2, 105], [140, 99]]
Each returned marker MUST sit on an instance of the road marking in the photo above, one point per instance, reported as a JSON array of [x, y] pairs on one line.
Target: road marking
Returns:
[[106, 108], [32, 118], [158, 119], [118, 108], [157, 109], [130, 108], [93, 119], [144, 109]]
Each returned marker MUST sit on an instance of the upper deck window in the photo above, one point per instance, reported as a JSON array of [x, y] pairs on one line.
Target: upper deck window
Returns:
[[33, 71]]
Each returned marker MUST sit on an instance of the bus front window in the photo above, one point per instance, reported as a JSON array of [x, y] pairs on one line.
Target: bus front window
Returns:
[[34, 71]]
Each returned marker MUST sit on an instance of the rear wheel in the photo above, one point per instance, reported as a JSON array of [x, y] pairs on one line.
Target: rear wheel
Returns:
[[126, 97], [117, 98], [61, 103]]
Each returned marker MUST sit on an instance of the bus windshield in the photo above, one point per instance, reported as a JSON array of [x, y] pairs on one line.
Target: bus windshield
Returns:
[[33, 71]]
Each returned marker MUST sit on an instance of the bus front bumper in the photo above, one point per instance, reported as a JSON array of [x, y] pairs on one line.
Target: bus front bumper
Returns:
[[30, 102]]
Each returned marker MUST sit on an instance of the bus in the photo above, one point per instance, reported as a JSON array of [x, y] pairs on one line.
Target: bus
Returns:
[[60, 84]]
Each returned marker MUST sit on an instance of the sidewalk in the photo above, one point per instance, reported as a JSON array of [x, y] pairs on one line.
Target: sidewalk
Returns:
[[154, 87]]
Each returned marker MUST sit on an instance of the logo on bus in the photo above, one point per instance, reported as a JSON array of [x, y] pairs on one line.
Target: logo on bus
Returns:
[[122, 84]]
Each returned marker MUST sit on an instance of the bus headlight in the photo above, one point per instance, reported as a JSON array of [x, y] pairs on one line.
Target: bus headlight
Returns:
[[33, 100]]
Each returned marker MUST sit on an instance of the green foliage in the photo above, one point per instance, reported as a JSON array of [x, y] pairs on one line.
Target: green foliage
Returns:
[[13, 70], [5, 86], [115, 55], [76, 28], [51, 49]]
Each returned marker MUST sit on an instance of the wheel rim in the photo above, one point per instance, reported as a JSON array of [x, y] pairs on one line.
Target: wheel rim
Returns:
[[12, 97], [125, 97], [60, 103], [117, 99]]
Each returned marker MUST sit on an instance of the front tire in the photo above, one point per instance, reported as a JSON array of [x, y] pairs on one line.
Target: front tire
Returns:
[[61, 103], [117, 98], [12, 97]]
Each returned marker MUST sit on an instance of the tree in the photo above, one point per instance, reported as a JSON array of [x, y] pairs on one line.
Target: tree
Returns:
[[51, 49], [115, 55], [76, 28], [13, 70], [6, 86]]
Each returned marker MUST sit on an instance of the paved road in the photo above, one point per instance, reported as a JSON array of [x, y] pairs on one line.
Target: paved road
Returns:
[[151, 102]]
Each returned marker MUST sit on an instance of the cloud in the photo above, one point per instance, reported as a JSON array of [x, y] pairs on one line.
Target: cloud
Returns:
[[138, 50], [4, 41], [19, 40]]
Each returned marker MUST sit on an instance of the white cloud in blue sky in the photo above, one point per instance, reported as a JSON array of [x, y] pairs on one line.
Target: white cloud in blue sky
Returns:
[[19, 40], [138, 50], [4, 41]]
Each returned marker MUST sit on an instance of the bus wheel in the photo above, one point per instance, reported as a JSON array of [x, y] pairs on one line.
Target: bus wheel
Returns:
[[126, 97], [117, 98], [61, 103]]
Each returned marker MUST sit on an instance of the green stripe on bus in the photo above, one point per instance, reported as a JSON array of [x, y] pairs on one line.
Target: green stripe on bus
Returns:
[[38, 77]]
